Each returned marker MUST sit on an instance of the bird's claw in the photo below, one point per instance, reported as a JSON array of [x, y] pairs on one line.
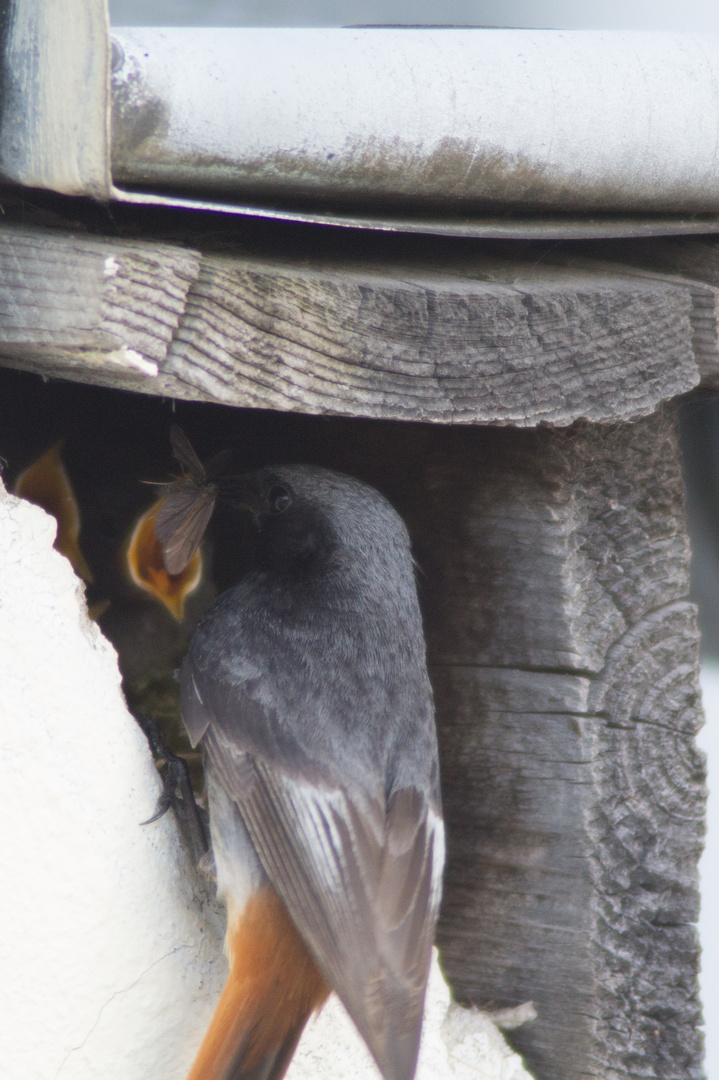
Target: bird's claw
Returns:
[[177, 793]]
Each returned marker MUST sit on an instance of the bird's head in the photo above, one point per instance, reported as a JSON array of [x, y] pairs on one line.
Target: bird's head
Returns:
[[307, 516]]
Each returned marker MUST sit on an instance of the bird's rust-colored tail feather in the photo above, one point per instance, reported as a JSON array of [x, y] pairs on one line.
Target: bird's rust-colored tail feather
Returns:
[[273, 987]]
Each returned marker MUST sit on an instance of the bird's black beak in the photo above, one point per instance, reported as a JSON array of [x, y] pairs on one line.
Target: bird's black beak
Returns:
[[241, 491]]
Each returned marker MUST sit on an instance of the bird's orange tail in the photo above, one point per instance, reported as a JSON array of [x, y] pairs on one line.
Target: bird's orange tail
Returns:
[[272, 988]]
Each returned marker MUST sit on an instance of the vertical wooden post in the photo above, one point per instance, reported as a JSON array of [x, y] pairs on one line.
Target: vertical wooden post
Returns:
[[563, 653]]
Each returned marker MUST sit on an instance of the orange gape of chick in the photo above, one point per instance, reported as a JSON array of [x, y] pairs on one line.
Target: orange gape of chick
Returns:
[[273, 987]]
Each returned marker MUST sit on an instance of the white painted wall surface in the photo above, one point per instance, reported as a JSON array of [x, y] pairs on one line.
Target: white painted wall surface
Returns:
[[109, 963], [457, 1044], [110, 948]]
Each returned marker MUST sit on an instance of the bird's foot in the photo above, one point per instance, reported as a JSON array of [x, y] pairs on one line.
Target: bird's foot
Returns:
[[177, 793]]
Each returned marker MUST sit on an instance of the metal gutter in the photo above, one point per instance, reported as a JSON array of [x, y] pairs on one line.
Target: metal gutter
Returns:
[[514, 227], [494, 133], [446, 122]]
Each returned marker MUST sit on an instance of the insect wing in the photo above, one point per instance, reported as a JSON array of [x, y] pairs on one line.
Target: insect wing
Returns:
[[184, 453], [181, 525], [216, 465], [175, 508]]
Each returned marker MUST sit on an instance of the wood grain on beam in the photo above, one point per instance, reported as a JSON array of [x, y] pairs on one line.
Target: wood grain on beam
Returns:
[[691, 263], [99, 311], [489, 342]]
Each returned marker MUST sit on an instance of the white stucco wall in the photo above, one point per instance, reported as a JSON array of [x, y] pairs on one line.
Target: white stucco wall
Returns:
[[110, 945], [110, 953], [457, 1044]]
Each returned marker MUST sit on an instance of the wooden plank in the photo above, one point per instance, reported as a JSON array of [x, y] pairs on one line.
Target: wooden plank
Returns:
[[54, 84], [688, 262], [487, 341], [84, 308], [564, 661]]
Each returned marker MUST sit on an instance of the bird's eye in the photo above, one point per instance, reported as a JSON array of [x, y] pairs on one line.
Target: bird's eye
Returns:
[[279, 499]]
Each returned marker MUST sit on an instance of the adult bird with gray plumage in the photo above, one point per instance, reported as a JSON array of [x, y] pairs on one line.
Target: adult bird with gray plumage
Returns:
[[306, 686]]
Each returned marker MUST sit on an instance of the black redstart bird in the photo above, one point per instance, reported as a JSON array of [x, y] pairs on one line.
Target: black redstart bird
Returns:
[[306, 687]]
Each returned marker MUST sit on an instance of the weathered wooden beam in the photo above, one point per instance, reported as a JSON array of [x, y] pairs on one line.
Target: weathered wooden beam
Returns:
[[693, 263], [102, 312], [564, 656], [54, 85], [486, 341]]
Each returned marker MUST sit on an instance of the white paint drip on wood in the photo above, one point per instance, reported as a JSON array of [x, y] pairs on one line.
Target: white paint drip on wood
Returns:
[[129, 358]]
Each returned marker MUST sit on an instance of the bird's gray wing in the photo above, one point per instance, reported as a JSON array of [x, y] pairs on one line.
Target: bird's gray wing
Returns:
[[360, 877]]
